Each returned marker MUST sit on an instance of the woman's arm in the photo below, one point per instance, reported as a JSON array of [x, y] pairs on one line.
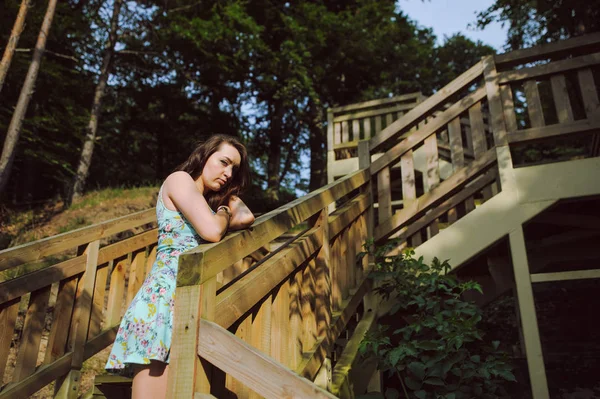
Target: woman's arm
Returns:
[[182, 191], [241, 216]]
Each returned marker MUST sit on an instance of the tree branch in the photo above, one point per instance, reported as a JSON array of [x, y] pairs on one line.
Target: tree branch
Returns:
[[68, 57]]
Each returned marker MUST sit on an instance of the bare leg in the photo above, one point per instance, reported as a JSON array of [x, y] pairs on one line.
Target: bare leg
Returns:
[[150, 381]]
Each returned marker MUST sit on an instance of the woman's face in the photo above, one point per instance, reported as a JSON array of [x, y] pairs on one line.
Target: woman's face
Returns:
[[220, 167]]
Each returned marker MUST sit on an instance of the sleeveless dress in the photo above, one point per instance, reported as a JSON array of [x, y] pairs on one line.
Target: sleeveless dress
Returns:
[[145, 331]]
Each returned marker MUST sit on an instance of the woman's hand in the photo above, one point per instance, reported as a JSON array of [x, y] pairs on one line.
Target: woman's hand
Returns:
[[241, 216]]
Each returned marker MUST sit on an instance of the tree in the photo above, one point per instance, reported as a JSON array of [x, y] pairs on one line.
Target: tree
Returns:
[[540, 21], [13, 40], [14, 130], [92, 128]]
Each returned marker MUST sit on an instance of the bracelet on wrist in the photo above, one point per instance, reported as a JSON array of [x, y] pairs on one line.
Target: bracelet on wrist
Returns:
[[225, 209]]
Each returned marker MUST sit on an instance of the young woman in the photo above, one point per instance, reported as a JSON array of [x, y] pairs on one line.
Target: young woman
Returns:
[[197, 203]]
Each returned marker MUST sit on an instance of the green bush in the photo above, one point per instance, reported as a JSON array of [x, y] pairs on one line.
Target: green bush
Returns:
[[436, 350]]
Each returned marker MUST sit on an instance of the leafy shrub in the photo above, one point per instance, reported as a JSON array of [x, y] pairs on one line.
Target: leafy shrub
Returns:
[[437, 351]]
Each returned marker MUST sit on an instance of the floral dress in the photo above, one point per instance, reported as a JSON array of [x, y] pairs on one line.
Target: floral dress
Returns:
[[145, 331]]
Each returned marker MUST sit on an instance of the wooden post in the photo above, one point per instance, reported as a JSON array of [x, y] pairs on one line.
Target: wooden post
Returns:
[[69, 386], [457, 156], [8, 317], [479, 144], [195, 300], [409, 190], [432, 176], [533, 346], [323, 280]]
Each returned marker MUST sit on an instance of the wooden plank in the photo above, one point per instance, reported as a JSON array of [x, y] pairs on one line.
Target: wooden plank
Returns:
[[150, 260], [32, 334], [116, 292], [345, 215], [337, 137], [43, 376], [416, 138], [239, 298], [456, 146], [384, 194], [349, 356], [100, 341], [533, 347], [377, 125], [409, 190], [564, 276], [20, 286], [213, 258], [124, 247], [551, 68], [510, 118], [547, 50], [280, 319], [534, 104], [49, 246], [433, 102], [388, 119], [259, 372], [136, 275], [336, 259], [322, 278], [564, 111], [261, 333], [307, 304], [8, 317], [345, 136], [374, 103], [432, 176], [374, 112], [578, 127], [342, 269], [294, 349], [63, 310], [477, 130], [188, 374], [355, 129], [448, 187], [589, 93], [367, 128], [330, 130], [96, 316]]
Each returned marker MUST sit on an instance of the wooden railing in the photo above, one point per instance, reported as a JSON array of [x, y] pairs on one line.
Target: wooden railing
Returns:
[[291, 308]]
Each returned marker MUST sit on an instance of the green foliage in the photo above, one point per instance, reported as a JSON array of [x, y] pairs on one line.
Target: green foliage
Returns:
[[438, 350]]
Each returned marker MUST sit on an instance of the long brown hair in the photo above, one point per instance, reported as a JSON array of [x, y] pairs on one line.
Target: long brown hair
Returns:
[[197, 159]]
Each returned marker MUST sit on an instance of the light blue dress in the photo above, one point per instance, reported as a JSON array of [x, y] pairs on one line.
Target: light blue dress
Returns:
[[145, 331]]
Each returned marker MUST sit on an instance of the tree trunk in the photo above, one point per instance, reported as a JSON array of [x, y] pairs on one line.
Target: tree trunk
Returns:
[[14, 129], [92, 128], [274, 152], [317, 140], [15, 34]]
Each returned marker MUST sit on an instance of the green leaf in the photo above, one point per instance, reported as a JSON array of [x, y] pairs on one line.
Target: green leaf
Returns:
[[495, 344], [392, 393], [507, 375], [418, 369], [434, 381], [421, 394], [412, 383]]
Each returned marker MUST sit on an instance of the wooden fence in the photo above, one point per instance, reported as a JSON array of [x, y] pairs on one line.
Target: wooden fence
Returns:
[[269, 322]]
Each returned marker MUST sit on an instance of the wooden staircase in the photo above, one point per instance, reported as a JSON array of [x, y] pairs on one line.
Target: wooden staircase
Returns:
[[285, 321]]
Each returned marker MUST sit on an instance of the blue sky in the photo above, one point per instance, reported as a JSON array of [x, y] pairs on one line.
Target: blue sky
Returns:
[[447, 17]]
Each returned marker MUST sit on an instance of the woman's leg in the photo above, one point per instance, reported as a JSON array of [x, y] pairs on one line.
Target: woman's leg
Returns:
[[150, 381]]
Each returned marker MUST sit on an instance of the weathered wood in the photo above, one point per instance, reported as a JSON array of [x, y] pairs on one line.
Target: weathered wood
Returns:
[[551, 68], [477, 129], [307, 304], [337, 137], [432, 177], [562, 102], [342, 269], [456, 182], [345, 135], [355, 129], [136, 275], [367, 128], [534, 104], [63, 310], [510, 118], [236, 300], [578, 127], [433, 102], [96, 317], [295, 345], [100, 341], [32, 334], [384, 194], [388, 119], [250, 366], [280, 323], [8, 317], [52, 245], [188, 374], [43, 376], [214, 258], [323, 278], [345, 215], [548, 50], [116, 292], [589, 93], [416, 138], [261, 332]]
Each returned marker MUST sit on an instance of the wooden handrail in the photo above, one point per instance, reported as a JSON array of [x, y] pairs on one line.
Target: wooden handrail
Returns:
[[37, 250], [250, 366], [377, 103]]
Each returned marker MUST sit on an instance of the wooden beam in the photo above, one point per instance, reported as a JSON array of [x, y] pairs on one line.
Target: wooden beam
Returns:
[[374, 112], [562, 103], [563, 129], [254, 369], [564, 276], [534, 104], [375, 103]]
